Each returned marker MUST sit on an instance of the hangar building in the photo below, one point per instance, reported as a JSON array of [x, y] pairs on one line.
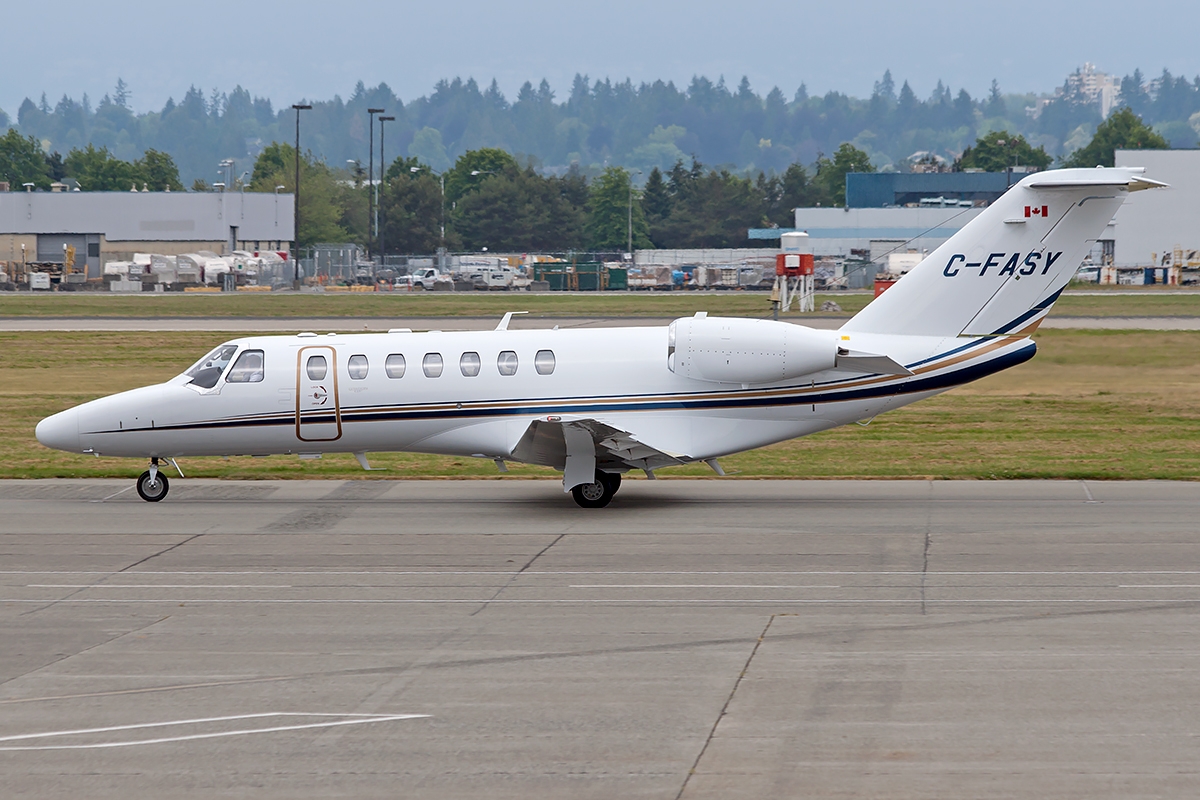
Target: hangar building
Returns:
[[1160, 228], [112, 226]]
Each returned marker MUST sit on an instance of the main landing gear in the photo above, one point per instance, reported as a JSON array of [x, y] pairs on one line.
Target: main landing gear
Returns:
[[152, 485], [598, 493]]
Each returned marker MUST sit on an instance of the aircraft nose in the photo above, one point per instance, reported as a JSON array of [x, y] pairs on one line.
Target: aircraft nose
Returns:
[[60, 431]]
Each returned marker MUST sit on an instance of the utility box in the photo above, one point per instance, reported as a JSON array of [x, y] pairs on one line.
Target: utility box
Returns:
[[793, 265], [39, 280]]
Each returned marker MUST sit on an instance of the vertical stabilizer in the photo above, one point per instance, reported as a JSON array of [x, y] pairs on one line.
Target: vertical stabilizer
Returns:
[[1002, 272]]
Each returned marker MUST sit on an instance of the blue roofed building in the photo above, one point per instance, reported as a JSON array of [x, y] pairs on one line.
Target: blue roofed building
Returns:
[[891, 189]]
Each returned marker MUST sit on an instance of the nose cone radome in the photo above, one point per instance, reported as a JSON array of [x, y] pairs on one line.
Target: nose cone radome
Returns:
[[60, 431]]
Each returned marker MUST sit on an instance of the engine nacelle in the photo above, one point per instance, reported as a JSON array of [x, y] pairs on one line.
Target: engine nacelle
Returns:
[[735, 350]]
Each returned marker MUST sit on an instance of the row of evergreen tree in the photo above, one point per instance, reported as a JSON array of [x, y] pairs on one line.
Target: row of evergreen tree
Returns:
[[491, 201], [488, 199], [600, 123]]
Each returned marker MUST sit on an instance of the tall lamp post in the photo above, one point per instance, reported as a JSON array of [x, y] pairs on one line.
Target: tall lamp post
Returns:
[[371, 196], [296, 205], [442, 180], [380, 231]]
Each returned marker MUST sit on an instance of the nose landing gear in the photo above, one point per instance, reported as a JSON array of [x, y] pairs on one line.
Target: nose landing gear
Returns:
[[152, 485]]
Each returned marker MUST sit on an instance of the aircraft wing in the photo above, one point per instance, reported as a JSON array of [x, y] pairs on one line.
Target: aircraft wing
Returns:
[[581, 445]]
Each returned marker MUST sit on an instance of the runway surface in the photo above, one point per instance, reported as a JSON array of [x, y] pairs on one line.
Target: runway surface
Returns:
[[696, 639], [381, 324]]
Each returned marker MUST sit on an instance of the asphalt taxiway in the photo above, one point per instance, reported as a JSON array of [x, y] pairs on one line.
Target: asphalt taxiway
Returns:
[[696, 639]]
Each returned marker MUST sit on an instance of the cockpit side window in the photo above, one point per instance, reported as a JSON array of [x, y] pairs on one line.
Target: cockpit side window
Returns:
[[207, 371], [247, 369]]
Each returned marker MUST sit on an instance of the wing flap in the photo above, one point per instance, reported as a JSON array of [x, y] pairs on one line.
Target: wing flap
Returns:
[[580, 445]]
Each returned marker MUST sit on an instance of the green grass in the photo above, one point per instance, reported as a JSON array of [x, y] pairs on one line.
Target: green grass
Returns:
[[1149, 302], [398, 304], [1093, 404]]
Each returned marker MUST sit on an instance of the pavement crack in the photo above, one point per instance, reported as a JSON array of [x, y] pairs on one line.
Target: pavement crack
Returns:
[[725, 708], [164, 551], [65, 656], [517, 574], [125, 568]]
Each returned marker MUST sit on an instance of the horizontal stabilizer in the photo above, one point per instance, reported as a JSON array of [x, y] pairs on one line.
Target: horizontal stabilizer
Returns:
[[873, 363], [1132, 183]]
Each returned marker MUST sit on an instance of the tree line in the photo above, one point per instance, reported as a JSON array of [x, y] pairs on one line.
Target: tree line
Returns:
[[602, 123], [492, 199]]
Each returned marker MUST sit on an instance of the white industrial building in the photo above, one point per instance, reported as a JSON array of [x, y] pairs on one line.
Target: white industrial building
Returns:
[[1159, 228], [112, 226], [1165, 223], [840, 231]]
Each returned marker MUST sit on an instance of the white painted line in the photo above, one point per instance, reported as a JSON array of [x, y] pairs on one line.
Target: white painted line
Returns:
[[346, 719], [703, 586], [606, 572], [160, 586], [111, 496], [597, 601], [1159, 586]]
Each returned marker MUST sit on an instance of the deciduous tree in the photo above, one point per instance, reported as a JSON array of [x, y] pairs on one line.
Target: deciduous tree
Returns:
[[1123, 129]]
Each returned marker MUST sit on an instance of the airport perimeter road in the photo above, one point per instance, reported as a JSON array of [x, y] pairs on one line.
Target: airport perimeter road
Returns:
[[696, 639]]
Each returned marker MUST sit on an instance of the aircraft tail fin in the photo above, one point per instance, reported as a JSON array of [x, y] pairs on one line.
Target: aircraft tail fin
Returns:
[[1003, 271]]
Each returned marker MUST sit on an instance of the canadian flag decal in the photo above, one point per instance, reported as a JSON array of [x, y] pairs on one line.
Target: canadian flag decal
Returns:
[[1037, 211]]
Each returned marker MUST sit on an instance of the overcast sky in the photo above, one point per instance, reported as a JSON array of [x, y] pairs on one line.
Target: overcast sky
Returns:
[[315, 49]]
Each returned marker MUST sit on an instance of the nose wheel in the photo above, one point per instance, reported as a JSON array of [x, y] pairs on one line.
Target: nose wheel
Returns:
[[152, 485], [600, 492]]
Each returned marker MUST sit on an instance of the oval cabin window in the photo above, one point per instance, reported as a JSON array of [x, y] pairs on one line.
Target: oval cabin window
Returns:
[[506, 362], [357, 366], [432, 365], [543, 362], [394, 366], [317, 368], [469, 364]]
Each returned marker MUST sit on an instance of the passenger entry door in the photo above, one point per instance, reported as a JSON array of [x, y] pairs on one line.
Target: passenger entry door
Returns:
[[318, 412]]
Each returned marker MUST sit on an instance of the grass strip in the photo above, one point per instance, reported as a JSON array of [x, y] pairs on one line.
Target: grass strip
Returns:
[[480, 304], [1093, 404]]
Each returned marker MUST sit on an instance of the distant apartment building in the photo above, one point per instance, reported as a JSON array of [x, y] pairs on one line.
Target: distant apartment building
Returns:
[[1085, 85]]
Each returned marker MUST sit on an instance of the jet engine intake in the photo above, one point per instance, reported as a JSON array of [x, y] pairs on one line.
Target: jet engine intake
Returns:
[[745, 351]]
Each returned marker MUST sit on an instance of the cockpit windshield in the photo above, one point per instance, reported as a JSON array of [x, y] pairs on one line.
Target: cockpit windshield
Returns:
[[207, 371]]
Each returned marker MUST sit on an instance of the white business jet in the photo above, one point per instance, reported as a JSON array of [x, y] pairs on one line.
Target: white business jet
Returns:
[[598, 403]]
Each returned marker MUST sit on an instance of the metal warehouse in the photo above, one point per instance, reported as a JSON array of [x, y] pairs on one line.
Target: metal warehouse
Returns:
[[112, 226]]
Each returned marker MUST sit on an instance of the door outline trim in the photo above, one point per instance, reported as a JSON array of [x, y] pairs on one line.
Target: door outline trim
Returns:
[[337, 407]]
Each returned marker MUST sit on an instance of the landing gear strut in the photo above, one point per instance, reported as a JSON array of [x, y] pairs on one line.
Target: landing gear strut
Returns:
[[152, 485], [598, 493]]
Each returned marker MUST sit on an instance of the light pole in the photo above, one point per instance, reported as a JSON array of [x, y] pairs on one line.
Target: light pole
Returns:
[[630, 229], [371, 195], [226, 171], [379, 231], [442, 180], [296, 205]]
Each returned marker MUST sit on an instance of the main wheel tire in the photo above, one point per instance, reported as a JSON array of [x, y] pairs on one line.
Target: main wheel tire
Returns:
[[596, 494], [612, 478], [152, 490]]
